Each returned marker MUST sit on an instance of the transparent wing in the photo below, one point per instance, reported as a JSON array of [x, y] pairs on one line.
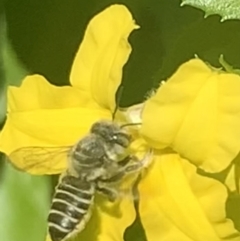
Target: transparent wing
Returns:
[[40, 160]]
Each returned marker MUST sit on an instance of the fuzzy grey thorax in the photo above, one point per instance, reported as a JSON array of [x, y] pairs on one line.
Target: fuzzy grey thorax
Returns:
[[104, 146]]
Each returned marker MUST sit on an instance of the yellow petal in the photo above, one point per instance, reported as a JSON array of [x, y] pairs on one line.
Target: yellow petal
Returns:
[[197, 113], [97, 67], [231, 180], [178, 204], [46, 128], [133, 114], [233, 177], [48, 238], [36, 93], [108, 221]]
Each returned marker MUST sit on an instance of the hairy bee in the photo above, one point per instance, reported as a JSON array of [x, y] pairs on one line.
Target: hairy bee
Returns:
[[95, 162]]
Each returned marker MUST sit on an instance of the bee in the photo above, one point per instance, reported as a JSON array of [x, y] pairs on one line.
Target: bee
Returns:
[[94, 163]]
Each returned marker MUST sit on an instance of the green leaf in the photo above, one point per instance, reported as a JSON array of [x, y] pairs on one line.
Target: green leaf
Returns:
[[227, 9], [24, 199], [24, 202], [12, 70]]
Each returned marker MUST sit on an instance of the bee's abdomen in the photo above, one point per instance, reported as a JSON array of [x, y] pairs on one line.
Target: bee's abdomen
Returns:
[[70, 208]]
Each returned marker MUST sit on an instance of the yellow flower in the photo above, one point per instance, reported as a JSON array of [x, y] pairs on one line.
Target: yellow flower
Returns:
[[175, 203], [197, 113], [40, 114], [178, 204]]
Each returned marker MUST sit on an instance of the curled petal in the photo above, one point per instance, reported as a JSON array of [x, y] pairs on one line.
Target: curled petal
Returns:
[[97, 67], [133, 114], [46, 128], [230, 180], [178, 204], [233, 177], [197, 113]]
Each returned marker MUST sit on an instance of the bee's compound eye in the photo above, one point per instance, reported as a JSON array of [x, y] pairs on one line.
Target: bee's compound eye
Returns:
[[121, 139]]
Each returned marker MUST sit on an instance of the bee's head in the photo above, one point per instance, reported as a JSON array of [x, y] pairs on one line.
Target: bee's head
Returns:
[[111, 133]]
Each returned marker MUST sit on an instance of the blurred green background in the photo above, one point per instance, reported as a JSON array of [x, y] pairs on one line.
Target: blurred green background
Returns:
[[42, 36]]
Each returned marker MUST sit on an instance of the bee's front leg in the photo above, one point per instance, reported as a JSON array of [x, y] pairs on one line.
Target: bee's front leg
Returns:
[[132, 166], [137, 165]]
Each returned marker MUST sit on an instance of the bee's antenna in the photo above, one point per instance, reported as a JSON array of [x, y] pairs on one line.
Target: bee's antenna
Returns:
[[130, 124], [118, 99]]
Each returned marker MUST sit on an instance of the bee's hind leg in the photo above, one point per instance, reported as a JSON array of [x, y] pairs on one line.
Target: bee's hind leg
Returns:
[[132, 165], [105, 190]]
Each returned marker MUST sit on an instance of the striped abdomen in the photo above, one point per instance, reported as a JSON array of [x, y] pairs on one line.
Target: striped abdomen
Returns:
[[71, 208]]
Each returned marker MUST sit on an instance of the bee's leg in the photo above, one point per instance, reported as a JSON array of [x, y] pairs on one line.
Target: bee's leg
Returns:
[[135, 166], [110, 192], [117, 177], [125, 161]]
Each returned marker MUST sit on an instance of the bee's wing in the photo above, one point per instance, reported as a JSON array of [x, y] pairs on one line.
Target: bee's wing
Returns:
[[40, 160]]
